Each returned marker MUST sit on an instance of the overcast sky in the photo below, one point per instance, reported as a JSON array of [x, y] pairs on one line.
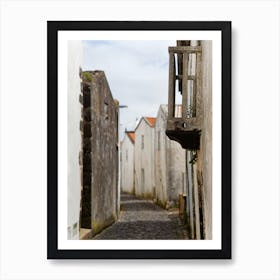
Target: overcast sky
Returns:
[[137, 73]]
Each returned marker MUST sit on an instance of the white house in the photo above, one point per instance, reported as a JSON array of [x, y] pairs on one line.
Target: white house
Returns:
[[144, 158], [74, 137], [127, 163], [170, 162]]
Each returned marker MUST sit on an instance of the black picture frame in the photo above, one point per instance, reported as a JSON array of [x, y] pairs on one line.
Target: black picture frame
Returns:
[[53, 27]]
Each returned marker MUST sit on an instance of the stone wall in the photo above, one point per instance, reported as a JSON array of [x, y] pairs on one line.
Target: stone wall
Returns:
[[205, 178], [199, 162], [100, 153]]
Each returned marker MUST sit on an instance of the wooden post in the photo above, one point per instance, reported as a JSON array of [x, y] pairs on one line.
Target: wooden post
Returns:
[[193, 97], [198, 85], [185, 88], [171, 89]]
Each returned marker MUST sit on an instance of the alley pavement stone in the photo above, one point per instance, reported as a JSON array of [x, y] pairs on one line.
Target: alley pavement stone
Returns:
[[142, 219]]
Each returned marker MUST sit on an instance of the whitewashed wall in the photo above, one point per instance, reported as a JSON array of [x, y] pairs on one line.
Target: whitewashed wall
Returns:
[[74, 137], [161, 144], [144, 160], [170, 164], [127, 165]]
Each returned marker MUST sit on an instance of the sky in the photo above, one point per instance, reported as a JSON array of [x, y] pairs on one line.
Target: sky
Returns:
[[137, 73]]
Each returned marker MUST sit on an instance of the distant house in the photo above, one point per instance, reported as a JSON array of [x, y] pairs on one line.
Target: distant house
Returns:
[[127, 163], [144, 158], [170, 162]]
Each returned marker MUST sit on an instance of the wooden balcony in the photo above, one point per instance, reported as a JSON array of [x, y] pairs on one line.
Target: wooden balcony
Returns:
[[185, 68]]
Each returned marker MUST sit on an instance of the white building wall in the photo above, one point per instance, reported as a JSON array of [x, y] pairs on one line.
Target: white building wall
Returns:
[[144, 160], [161, 146], [170, 164], [127, 165], [74, 137]]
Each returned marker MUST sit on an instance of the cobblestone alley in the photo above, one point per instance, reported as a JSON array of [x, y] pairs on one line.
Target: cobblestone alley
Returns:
[[142, 219]]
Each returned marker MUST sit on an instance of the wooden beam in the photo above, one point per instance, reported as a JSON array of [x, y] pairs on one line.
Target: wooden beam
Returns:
[[188, 49], [198, 85], [194, 98], [184, 86], [171, 88], [190, 77], [183, 43], [180, 71]]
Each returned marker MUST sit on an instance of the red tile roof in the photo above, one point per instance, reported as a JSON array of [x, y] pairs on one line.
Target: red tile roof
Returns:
[[131, 136], [151, 121]]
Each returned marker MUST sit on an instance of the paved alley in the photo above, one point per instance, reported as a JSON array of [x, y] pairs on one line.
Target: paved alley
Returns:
[[142, 219]]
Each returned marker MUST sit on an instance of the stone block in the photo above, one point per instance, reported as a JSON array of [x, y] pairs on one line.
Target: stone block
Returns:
[[87, 114], [87, 129], [86, 193], [86, 99], [81, 99], [87, 178], [86, 222], [87, 144], [87, 162]]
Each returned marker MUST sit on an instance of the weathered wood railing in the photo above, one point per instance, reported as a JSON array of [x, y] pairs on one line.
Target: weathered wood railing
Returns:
[[185, 68]]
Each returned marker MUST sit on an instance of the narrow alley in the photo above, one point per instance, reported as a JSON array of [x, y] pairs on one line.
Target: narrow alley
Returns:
[[152, 149], [142, 219]]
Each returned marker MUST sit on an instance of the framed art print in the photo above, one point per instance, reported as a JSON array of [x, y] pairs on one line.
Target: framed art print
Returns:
[[139, 140]]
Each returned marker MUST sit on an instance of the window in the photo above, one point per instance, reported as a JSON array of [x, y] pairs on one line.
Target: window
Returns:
[[106, 109], [142, 180], [142, 142], [158, 140]]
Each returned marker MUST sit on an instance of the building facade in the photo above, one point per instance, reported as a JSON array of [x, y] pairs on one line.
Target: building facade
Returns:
[[75, 53], [193, 130], [127, 163], [99, 127], [144, 158], [170, 163]]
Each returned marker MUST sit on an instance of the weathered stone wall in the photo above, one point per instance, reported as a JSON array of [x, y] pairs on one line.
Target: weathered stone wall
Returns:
[[169, 164], [144, 160], [100, 128], [127, 165], [74, 137], [205, 178], [199, 162], [86, 133]]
